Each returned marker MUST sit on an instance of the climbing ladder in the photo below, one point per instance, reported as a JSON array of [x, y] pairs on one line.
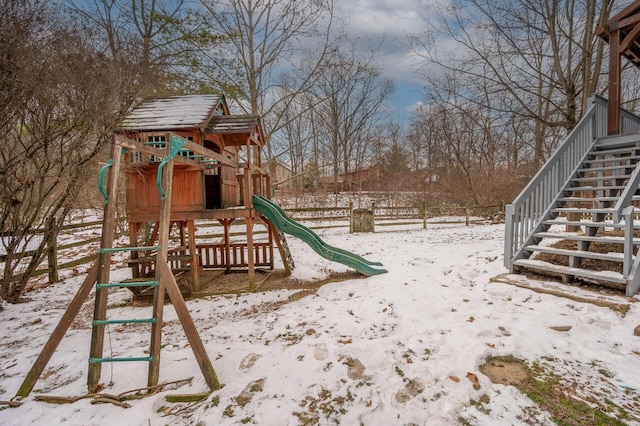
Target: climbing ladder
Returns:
[[285, 252], [99, 277]]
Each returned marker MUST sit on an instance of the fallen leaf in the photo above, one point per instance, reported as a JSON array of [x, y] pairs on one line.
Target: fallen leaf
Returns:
[[454, 378], [409, 360], [560, 327], [345, 341], [471, 319], [491, 345], [474, 379]]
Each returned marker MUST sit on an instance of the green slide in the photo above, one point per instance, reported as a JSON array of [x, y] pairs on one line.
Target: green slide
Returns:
[[279, 218]]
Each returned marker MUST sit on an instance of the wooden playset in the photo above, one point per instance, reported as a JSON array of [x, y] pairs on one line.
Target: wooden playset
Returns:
[[185, 159]]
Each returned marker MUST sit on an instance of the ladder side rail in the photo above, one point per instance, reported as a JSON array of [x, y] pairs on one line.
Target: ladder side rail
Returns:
[[164, 180], [104, 265], [525, 215]]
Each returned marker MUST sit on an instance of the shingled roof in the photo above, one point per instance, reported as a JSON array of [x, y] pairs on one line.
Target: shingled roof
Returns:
[[233, 124], [176, 112]]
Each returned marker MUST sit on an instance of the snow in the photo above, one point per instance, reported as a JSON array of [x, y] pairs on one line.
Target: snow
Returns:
[[373, 351], [171, 113]]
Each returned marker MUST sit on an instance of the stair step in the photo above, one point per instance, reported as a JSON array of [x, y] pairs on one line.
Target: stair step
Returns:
[[600, 178], [578, 237], [582, 210], [614, 277], [125, 321], [606, 168], [613, 159], [607, 224], [594, 188], [616, 142], [589, 199], [611, 257]]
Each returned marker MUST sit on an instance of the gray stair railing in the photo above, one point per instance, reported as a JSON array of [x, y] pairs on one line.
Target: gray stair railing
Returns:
[[524, 216]]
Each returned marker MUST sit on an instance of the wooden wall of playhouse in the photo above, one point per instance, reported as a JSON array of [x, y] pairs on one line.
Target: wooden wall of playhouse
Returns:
[[193, 188]]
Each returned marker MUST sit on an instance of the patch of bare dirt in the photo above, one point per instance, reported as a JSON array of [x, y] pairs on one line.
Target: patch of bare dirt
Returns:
[[506, 372]]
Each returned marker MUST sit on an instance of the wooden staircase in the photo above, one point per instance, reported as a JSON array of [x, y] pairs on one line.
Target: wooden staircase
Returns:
[[585, 196]]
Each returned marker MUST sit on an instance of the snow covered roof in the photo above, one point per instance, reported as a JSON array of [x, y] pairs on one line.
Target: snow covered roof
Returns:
[[176, 112], [233, 124]]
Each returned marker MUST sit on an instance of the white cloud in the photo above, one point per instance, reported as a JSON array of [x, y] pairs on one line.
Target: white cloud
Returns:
[[416, 106], [388, 25]]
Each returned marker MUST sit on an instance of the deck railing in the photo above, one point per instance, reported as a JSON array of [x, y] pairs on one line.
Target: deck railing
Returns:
[[524, 216]]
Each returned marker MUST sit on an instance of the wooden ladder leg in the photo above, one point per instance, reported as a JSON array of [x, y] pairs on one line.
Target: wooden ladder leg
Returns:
[[164, 228], [58, 333], [104, 268]]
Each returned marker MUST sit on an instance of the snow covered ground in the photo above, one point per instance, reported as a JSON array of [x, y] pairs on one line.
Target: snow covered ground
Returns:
[[393, 349]]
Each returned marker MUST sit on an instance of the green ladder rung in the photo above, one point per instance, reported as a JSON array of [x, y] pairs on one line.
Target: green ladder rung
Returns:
[[127, 285], [191, 156], [125, 321], [117, 249], [128, 359]]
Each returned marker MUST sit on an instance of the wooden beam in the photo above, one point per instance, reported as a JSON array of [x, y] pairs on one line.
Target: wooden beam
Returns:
[[615, 96], [104, 269], [58, 333], [164, 228], [629, 22], [190, 330], [159, 152], [193, 252], [199, 149], [626, 12], [629, 39]]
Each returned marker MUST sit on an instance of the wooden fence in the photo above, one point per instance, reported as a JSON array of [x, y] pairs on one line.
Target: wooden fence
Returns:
[[316, 218]]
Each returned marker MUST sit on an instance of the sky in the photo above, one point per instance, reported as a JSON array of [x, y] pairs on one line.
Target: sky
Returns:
[[393, 22]]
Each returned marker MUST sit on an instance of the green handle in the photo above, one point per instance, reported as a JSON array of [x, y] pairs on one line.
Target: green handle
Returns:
[[176, 145], [103, 172], [163, 194]]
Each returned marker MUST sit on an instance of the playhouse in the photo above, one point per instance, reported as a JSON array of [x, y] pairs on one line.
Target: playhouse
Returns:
[[218, 168]]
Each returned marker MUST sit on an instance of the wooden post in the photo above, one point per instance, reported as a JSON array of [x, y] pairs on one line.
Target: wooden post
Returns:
[[164, 227], [272, 262], [615, 96], [133, 242], [52, 256], [424, 216], [373, 217], [190, 330], [466, 216], [58, 333], [194, 267], [351, 217], [248, 191], [104, 269]]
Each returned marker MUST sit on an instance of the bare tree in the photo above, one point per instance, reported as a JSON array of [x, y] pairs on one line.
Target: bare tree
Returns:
[[169, 36], [263, 40], [352, 92], [62, 101], [541, 54]]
